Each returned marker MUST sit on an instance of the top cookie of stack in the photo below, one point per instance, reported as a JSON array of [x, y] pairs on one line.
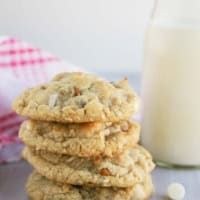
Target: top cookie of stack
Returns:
[[78, 97]]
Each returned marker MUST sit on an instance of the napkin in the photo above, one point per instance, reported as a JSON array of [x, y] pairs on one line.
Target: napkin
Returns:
[[21, 66]]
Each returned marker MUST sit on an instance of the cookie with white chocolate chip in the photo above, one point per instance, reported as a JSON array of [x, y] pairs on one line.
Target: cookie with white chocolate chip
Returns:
[[81, 139], [40, 188], [122, 170], [78, 97]]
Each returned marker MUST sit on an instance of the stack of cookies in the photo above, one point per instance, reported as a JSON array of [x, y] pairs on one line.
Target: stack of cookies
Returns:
[[81, 141]]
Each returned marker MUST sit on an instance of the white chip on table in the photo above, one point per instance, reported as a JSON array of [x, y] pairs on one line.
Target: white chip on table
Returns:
[[176, 191]]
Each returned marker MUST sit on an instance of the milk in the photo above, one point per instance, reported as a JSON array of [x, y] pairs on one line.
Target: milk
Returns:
[[171, 92]]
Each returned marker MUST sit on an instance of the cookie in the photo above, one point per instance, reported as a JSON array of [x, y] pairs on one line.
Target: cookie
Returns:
[[122, 170], [84, 139], [40, 188], [78, 97]]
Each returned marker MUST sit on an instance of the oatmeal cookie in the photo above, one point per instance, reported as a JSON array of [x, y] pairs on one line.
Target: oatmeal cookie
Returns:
[[122, 170], [83, 139], [78, 97], [40, 188]]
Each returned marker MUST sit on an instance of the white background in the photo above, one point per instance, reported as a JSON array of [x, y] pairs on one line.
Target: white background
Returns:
[[101, 35]]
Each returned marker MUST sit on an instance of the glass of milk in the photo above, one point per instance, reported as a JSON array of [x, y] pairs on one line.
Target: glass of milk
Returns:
[[171, 84]]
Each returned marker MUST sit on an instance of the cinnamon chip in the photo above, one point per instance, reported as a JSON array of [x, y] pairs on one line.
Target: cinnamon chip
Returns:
[[97, 160], [105, 172], [76, 91]]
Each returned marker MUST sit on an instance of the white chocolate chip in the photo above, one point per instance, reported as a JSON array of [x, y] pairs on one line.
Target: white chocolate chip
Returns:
[[176, 191], [28, 127], [139, 192], [107, 132], [108, 123], [115, 129], [105, 180], [70, 159], [119, 114], [52, 100]]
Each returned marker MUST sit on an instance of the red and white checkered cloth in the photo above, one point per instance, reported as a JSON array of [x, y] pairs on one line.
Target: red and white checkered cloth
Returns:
[[21, 66]]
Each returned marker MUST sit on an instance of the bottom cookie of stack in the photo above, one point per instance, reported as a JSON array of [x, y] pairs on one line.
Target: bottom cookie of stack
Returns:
[[40, 188]]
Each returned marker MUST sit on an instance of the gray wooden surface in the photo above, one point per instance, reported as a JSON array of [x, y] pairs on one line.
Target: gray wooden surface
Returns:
[[13, 178]]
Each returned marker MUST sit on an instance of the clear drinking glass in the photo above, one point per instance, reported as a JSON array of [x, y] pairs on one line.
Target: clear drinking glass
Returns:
[[171, 84]]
